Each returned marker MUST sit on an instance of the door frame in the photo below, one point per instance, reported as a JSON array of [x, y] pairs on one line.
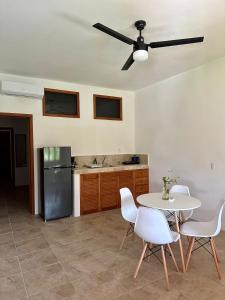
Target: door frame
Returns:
[[29, 117]]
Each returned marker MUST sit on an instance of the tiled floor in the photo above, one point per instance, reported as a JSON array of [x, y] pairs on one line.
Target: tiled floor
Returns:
[[78, 258]]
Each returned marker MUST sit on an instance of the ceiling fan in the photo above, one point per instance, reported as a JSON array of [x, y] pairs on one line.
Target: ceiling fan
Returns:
[[140, 48]]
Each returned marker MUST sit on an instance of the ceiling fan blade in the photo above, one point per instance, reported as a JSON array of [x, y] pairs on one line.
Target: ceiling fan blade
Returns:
[[128, 63], [176, 42], [114, 33]]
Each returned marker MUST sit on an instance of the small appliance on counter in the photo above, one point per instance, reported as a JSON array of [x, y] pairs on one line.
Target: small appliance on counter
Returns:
[[55, 182], [134, 160]]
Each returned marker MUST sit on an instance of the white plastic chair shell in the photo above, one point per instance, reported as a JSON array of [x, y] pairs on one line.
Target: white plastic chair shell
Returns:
[[128, 207], [151, 225], [182, 189], [204, 229]]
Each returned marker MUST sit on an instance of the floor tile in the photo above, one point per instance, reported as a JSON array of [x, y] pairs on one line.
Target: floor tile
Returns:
[[7, 250], [9, 266], [12, 288], [28, 246], [37, 259], [44, 278], [5, 228], [65, 291], [6, 238], [26, 234]]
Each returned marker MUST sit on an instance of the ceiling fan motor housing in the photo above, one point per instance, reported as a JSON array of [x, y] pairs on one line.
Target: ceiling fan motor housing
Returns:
[[140, 24]]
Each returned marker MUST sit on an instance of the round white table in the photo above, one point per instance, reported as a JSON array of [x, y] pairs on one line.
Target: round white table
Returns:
[[178, 204]]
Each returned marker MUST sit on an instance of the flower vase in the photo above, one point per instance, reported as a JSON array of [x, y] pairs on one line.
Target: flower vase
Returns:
[[165, 193]]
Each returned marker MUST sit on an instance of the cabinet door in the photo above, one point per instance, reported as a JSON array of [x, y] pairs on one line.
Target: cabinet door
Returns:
[[126, 179], [89, 193], [141, 182], [108, 190]]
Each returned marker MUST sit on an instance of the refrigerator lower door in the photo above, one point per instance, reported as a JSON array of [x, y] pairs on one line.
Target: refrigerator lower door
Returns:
[[57, 193]]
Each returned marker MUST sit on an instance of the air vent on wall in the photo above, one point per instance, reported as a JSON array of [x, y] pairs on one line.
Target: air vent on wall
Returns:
[[22, 89]]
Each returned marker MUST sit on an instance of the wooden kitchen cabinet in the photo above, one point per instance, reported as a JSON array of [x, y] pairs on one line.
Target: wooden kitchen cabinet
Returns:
[[100, 191], [141, 182], [126, 179], [89, 193], [108, 190]]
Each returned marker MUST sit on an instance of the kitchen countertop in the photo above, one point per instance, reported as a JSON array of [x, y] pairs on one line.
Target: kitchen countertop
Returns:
[[85, 170]]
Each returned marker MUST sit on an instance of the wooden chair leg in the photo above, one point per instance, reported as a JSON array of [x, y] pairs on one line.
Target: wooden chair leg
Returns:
[[165, 268], [140, 260], [215, 257], [173, 257], [125, 236], [190, 248]]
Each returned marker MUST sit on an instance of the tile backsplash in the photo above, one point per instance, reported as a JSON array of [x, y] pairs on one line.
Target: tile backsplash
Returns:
[[113, 160]]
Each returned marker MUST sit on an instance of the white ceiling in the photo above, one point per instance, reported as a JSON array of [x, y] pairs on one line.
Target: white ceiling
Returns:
[[55, 39]]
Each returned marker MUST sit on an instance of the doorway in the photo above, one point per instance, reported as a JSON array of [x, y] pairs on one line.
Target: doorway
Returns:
[[6, 154], [17, 156]]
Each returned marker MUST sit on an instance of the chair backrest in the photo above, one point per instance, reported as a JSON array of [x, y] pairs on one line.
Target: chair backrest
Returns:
[[151, 225], [218, 218], [128, 207], [181, 189]]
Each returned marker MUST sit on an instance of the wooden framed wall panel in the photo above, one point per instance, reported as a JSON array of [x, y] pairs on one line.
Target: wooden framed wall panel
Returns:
[[107, 107], [57, 93]]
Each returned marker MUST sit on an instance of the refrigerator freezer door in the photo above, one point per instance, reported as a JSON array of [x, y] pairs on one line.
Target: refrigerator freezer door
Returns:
[[56, 156], [57, 193]]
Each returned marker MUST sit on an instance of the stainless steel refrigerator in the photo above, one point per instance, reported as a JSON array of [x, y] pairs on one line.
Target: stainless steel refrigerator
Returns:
[[55, 182]]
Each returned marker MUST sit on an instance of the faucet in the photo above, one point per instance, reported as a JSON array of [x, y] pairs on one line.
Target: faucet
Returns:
[[104, 158]]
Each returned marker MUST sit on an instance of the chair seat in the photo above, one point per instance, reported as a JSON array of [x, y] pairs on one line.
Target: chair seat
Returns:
[[197, 229], [175, 236]]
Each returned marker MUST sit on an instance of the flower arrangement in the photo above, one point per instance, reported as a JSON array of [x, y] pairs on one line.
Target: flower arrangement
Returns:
[[166, 186]]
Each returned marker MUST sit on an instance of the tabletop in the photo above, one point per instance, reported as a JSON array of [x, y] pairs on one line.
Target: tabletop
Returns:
[[180, 202]]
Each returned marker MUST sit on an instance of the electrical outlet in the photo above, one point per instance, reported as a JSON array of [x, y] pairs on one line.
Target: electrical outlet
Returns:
[[212, 165]]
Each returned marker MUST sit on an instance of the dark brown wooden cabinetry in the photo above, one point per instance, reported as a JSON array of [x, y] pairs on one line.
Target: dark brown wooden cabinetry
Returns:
[[108, 190], [89, 193], [141, 181], [100, 191], [126, 179]]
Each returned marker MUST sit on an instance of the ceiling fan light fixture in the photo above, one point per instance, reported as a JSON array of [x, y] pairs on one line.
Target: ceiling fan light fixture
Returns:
[[140, 55]]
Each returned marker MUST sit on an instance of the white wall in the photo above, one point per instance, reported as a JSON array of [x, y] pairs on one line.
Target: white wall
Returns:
[[180, 122], [20, 126], [84, 135]]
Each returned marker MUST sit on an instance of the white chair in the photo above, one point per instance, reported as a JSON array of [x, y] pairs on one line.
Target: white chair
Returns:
[[204, 233], [184, 190], [128, 210], [151, 225]]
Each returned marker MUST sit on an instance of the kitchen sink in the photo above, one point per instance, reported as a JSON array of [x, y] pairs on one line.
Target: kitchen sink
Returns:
[[96, 166]]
